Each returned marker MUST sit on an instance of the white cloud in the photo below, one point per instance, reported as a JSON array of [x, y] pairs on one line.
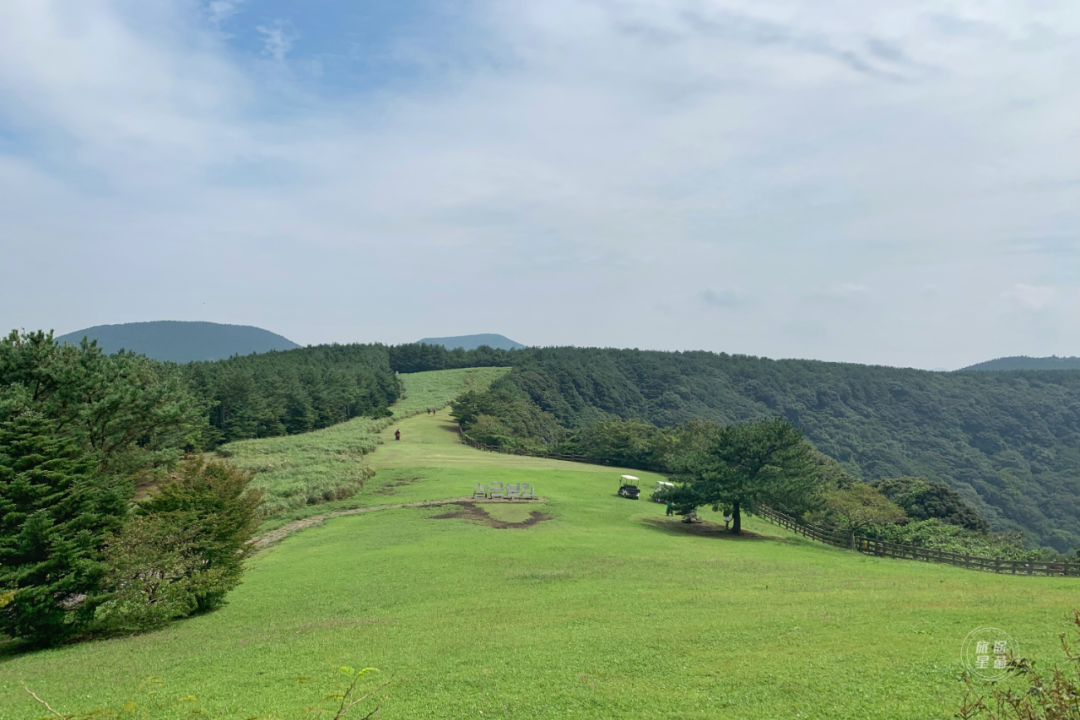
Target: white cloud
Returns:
[[278, 40], [1028, 297], [218, 11], [565, 156], [723, 297]]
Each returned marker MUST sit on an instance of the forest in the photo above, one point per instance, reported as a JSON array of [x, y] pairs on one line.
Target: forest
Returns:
[[1008, 442]]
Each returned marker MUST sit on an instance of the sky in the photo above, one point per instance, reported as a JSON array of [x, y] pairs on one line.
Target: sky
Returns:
[[872, 182]]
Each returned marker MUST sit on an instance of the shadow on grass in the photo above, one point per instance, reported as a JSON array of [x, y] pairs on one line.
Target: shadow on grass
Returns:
[[675, 526]]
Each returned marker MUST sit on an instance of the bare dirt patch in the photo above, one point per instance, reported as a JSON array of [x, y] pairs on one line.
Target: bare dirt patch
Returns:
[[472, 511], [388, 489], [705, 529]]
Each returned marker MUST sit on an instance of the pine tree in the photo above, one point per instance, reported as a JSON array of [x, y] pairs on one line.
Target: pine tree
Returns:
[[54, 514]]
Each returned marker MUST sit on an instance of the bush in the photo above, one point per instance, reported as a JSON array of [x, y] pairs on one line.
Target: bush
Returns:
[[185, 550]]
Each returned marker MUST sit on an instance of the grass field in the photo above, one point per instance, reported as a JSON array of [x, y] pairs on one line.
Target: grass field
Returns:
[[298, 471], [606, 609]]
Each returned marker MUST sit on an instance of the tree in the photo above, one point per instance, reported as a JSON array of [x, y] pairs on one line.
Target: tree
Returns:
[[738, 467], [858, 506], [218, 513], [55, 512], [924, 499]]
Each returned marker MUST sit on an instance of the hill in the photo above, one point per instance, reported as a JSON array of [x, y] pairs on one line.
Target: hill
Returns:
[[182, 342], [1023, 362], [471, 342], [598, 608], [1009, 443]]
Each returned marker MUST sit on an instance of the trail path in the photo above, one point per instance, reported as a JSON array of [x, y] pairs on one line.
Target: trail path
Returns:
[[275, 536], [428, 441]]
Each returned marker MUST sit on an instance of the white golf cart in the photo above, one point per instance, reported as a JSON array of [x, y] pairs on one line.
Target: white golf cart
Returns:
[[662, 487], [628, 489]]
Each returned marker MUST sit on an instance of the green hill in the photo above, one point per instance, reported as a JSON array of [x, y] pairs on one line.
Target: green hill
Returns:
[[181, 342], [1008, 442], [598, 608], [471, 342], [1023, 362]]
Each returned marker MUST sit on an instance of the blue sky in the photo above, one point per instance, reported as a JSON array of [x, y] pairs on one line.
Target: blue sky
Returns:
[[871, 182]]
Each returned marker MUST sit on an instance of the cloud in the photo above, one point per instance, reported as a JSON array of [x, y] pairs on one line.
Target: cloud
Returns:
[[218, 11], [278, 39], [722, 298], [1028, 297], [559, 155]]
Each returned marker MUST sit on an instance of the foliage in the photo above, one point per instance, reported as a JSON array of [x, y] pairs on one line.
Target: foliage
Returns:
[[924, 499], [1056, 697], [55, 511], [154, 574], [1008, 442], [854, 508], [132, 414], [936, 535], [506, 419], [624, 443], [209, 507], [740, 466], [294, 391]]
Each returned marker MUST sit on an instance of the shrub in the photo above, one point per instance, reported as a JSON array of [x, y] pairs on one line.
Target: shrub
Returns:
[[211, 511]]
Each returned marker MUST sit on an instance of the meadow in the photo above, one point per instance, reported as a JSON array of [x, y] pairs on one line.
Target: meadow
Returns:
[[602, 608], [298, 471]]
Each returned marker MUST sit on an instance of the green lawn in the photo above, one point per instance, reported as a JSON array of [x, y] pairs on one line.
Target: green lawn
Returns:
[[298, 471], [605, 610]]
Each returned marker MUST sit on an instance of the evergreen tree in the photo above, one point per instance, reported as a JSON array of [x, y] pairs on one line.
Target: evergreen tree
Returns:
[[55, 512], [738, 467]]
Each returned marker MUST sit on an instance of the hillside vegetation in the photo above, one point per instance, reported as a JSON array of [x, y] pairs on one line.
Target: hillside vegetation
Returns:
[[604, 608], [1008, 442], [181, 342], [295, 472]]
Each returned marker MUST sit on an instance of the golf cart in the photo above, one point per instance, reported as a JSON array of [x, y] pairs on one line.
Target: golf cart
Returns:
[[628, 490], [660, 493]]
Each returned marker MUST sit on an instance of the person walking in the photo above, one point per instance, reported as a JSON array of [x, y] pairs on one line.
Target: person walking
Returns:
[[397, 434], [670, 508]]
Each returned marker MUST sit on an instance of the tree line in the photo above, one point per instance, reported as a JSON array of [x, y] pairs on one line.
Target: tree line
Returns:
[[78, 553], [1007, 442]]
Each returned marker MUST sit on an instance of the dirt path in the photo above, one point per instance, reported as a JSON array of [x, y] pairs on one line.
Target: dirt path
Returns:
[[274, 536]]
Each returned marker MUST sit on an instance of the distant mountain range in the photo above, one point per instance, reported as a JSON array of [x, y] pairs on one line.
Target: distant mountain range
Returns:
[[181, 342], [1023, 362], [471, 342]]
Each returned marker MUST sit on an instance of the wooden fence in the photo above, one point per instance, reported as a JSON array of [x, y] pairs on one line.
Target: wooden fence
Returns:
[[519, 451], [881, 548]]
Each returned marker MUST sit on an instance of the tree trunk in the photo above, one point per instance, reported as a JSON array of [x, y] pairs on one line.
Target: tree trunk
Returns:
[[736, 520]]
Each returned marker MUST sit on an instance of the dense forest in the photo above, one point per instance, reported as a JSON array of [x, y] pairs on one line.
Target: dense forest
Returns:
[[284, 393], [1008, 442]]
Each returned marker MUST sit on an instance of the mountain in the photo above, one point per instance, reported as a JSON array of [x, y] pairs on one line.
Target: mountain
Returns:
[[1023, 362], [181, 342], [471, 342]]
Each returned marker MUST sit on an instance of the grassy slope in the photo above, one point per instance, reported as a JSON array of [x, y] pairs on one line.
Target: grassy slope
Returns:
[[597, 613], [297, 471]]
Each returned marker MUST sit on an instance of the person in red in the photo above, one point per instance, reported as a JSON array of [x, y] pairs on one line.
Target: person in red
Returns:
[[397, 434]]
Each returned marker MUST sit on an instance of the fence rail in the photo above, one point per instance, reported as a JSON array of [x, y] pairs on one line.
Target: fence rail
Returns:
[[519, 451], [880, 548]]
